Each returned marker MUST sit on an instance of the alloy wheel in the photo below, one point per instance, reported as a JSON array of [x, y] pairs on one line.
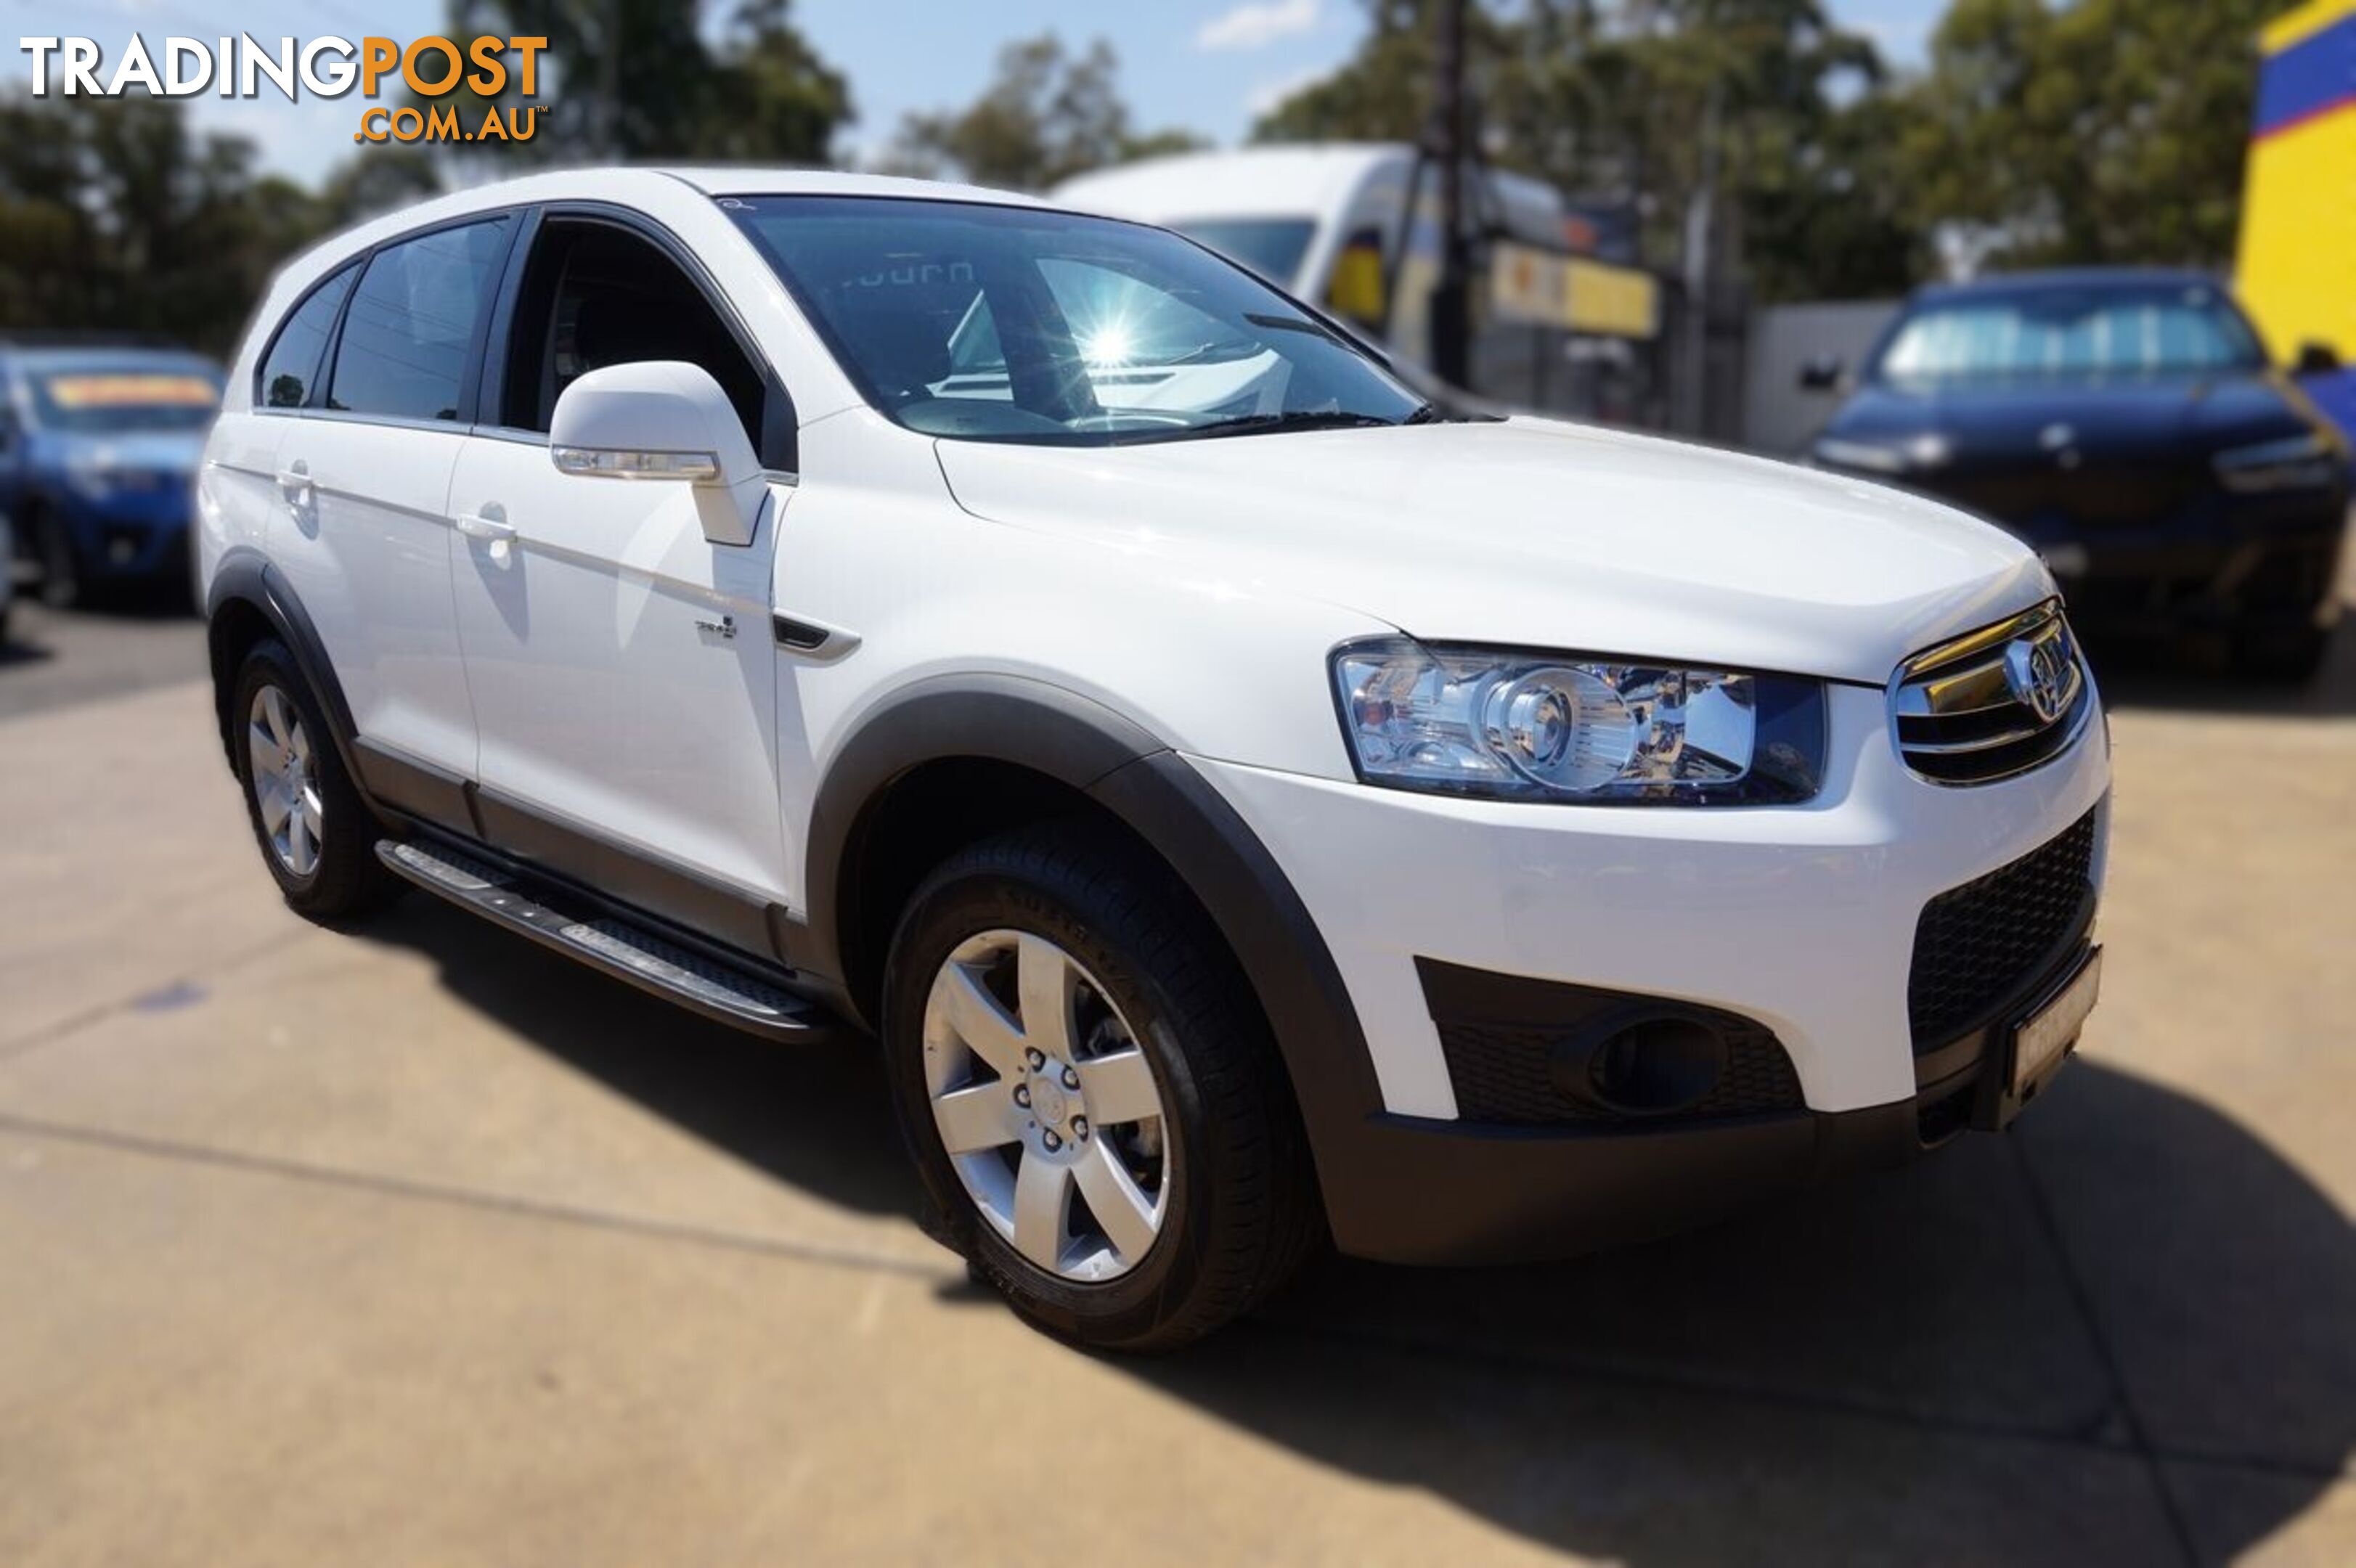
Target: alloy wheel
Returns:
[[1047, 1105], [286, 786]]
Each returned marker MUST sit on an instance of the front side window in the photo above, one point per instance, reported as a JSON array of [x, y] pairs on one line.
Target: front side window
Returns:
[[293, 362], [124, 397], [596, 296], [1010, 323], [2131, 329], [412, 322]]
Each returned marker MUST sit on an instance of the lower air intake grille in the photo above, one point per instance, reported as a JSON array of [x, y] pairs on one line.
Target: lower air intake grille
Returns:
[[1975, 945], [1504, 1073]]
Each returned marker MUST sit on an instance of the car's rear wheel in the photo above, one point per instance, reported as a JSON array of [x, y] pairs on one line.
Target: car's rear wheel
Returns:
[[1090, 1093], [318, 836]]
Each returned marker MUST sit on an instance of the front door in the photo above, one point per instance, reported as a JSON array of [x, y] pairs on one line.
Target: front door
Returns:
[[624, 678], [622, 665]]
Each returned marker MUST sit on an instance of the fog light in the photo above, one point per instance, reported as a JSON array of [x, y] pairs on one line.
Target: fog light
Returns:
[[1651, 1066]]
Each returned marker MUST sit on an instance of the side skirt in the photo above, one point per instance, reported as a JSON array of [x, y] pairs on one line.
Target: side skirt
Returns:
[[591, 932]]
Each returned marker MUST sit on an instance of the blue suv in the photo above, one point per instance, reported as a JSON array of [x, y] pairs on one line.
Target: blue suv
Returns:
[[99, 448]]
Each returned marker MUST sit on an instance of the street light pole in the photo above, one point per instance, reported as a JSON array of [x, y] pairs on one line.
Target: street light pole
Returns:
[[1701, 218], [1452, 299]]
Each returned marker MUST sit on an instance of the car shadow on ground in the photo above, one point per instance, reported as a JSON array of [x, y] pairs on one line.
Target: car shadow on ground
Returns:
[[2132, 1305]]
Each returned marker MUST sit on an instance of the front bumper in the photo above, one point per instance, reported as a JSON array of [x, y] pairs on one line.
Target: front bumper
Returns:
[[1800, 920], [2211, 560], [131, 533], [2266, 571]]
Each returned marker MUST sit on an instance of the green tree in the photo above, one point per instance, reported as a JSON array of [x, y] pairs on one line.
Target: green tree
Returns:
[[2102, 130], [1045, 117], [1639, 101], [633, 80], [1383, 91], [114, 217]]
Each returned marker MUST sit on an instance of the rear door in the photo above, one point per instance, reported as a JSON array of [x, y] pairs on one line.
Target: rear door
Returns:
[[363, 474], [238, 499], [622, 665]]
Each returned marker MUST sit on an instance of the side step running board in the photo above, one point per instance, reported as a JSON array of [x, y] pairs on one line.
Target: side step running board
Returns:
[[621, 949]]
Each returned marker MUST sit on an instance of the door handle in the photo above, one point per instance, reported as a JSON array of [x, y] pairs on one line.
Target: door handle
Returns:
[[294, 483], [492, 529]]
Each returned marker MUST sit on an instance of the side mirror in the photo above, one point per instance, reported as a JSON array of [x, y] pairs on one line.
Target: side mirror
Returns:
[[1821, 373], [663, 420], [2316, 358]]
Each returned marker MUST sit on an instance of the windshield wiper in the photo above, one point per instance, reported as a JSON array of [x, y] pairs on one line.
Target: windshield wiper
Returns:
[[1303, 325], [1271, 425]]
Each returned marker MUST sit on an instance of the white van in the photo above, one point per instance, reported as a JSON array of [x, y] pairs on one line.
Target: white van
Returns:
[[1327, 223]]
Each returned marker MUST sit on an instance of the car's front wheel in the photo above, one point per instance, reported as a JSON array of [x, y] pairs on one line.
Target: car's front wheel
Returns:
[[53, 547], [1098, 1114]]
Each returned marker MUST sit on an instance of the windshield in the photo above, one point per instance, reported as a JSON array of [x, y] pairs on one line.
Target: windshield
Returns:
[[111, 400], [2097, 330], [1008, 324], [1272, 247]]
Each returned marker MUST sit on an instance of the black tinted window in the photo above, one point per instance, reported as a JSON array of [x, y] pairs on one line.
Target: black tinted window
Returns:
[[404, 351], [596, 296], [293, 362]]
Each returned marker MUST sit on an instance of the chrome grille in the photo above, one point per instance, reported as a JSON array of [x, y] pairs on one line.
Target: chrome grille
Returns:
[[1994, 702]]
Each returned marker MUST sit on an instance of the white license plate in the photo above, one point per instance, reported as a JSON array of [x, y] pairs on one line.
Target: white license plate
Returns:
[[2042, 1038]]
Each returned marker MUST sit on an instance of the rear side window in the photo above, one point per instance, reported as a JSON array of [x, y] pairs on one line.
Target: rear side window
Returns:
[[412, 322], [293, 362]]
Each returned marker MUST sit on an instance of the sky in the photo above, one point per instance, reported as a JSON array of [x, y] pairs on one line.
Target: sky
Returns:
[[1208, 66]]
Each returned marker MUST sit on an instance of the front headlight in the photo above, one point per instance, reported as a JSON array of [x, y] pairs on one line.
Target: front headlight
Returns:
[[1929, 449], [2301, 463], [92, 475], [1523, 726]]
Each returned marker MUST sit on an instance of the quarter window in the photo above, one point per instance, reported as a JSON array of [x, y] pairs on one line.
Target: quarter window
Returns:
[[406, 338], [293, 362]]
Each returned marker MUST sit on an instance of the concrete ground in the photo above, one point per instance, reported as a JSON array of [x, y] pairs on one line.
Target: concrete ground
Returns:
[[53, 658], [417, 1244]]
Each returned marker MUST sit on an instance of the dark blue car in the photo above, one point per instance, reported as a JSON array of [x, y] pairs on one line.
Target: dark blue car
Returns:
[[2127, 424], [98, 458]]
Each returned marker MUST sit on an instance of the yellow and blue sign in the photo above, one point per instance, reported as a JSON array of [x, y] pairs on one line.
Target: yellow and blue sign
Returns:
[[2297, 270]]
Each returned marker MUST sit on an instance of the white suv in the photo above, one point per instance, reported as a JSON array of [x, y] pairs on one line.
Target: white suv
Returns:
[[1244, 805]]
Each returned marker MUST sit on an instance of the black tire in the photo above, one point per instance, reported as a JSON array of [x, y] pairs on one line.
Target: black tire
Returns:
[[1242, 1211], [347, 880], [2282, 656], [61, 575]]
